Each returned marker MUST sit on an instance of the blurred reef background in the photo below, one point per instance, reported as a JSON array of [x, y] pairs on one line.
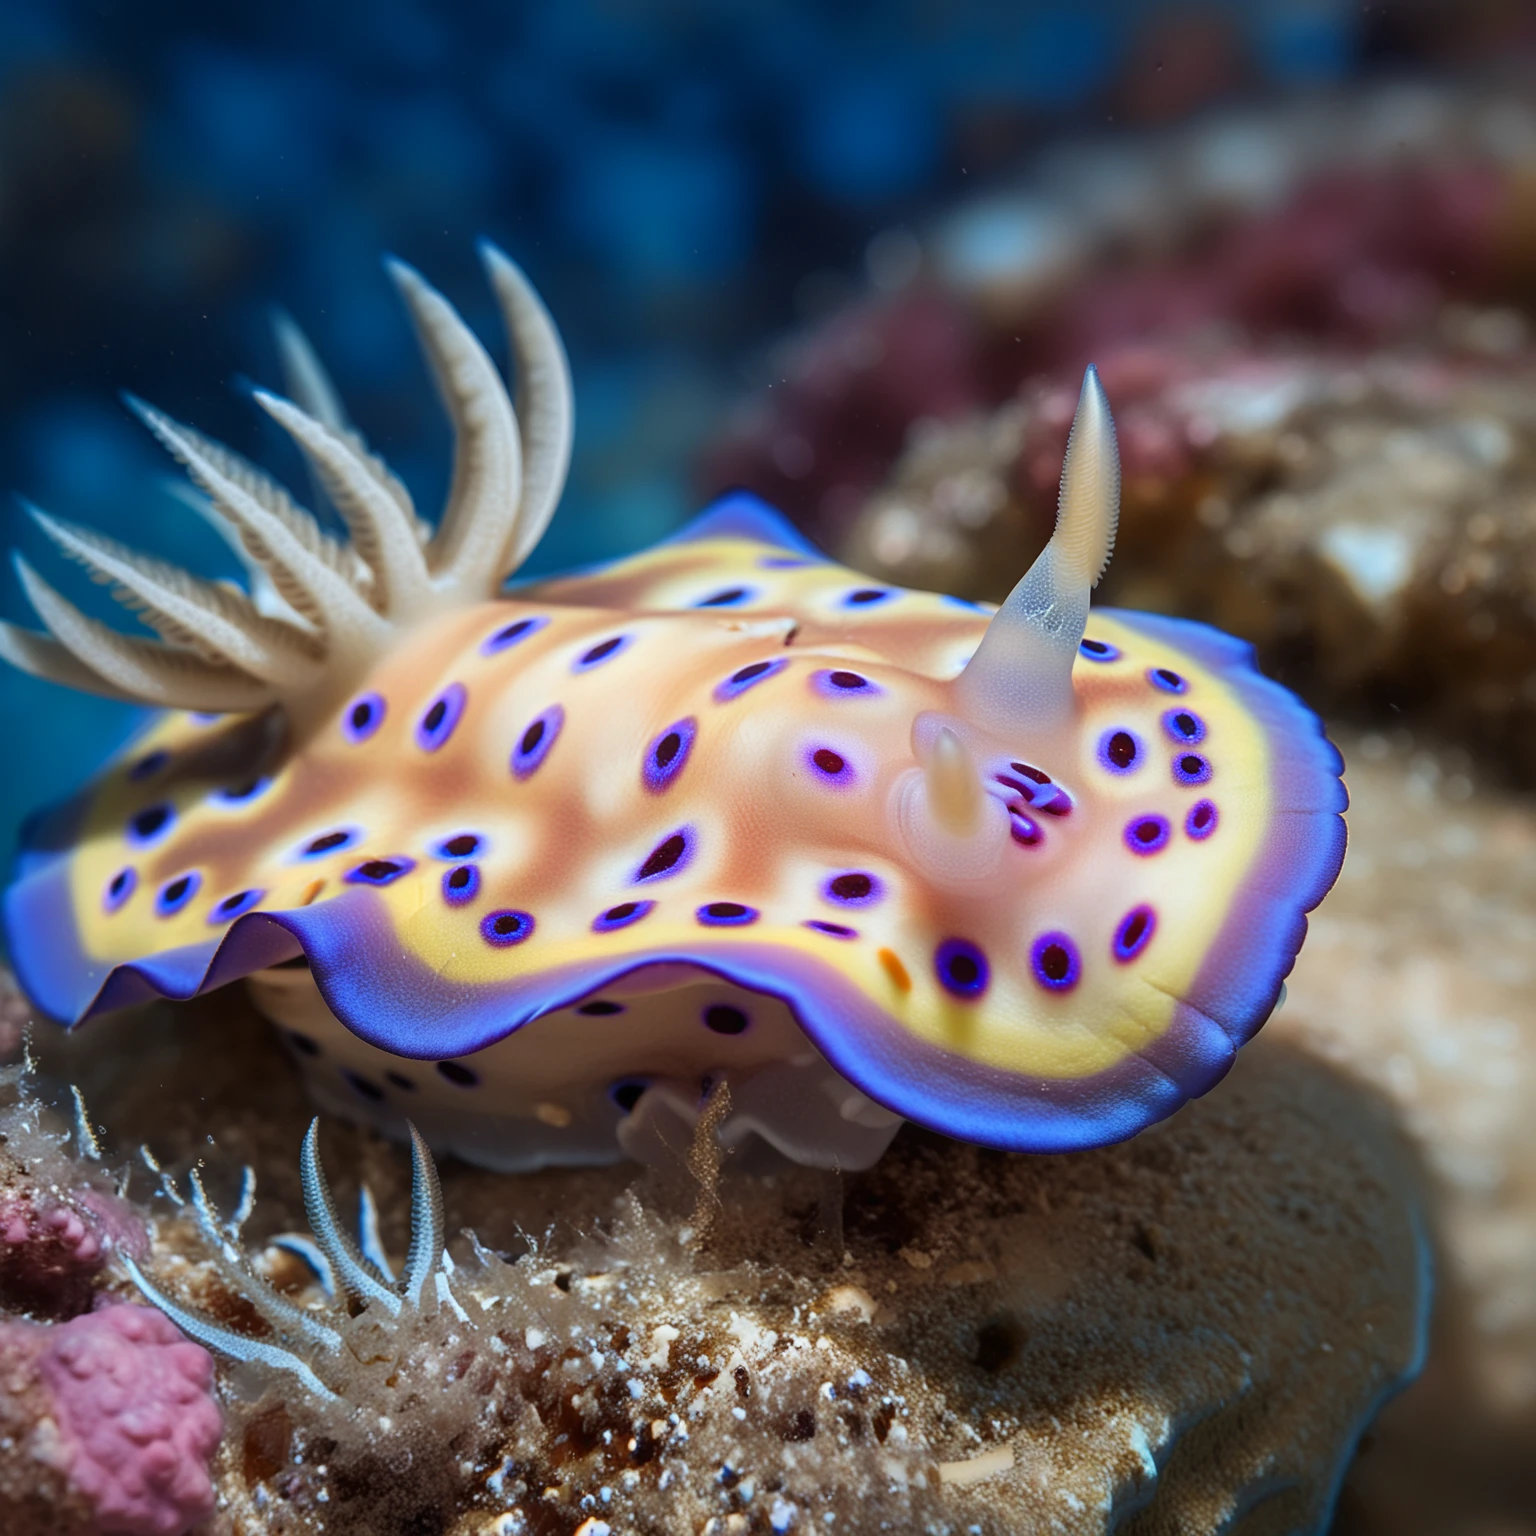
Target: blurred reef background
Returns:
[[684, 182]]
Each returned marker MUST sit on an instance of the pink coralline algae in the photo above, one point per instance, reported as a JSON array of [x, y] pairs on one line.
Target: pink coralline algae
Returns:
[[136, 1422], [52, 1250]]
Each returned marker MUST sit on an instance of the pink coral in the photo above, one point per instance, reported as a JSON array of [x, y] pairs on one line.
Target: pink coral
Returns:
[[52, 1249], [137, 1422]]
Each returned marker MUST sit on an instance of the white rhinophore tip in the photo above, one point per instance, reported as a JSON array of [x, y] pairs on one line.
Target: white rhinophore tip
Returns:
[[1021, 674]]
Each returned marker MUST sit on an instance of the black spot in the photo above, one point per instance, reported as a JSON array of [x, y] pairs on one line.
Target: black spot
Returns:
[[828, 761], [600, 1008], [1094, 647], [627, 1095], [510, 633], [1039, 775], [663, 857], [668, 748], [361, 715], [507, 922], [867, 595], [724, 1019], [1131, 934], [149, 821], [801, 1426], [625, 908], [369, 1090], [460, 877], [1055, 962], [1200, 816], [462, 846], [457, 1073], [243, 791], [231, 902], [1121, 749], [725, 910], [434, 716], [1147, 831], [326, 841], [532, 737], [851, 887], [837, 930], [730, 595], [401, 1081], [746, 674], [176, 889], [848, 680], [963, 970], [1192, 765], [602, 649], [302, 1043], [119, 880], [379, 869], [1186, 725]]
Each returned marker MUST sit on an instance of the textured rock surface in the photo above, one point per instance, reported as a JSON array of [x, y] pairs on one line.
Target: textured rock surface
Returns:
[[1420, 978], [1183, 1333]]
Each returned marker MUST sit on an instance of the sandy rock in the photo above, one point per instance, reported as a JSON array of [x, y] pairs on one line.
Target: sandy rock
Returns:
[[1185, 1333], [1419, 978]]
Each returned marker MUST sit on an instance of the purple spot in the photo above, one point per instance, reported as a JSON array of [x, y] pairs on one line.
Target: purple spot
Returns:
[[534, 745], [149, 765], [150, 824], [302, 1043], [1025, 829], [119, 888], [666, 755], [831, 765], [462, 845], [510, 634], [962, 969], [1097, 650], [724, 1019], [234, 906], [1169, 682], [1191, 768], [1147, 834], [176, 893], [1134, 933], [1119, 751], [241, 793], [842, 684], [379, 871], [1053, 800], [726, 914], [855, 888], [1184, 726], [748, 676], [627, 1094], [621, 916], [363, 716], [506, 927], [205, 716], [364, 1087], [783, 562], [440, 717], [1201, 821], [604, 650], [461, 884], [835, 930], [730, 597], [600, 1008], [458, 1074], [330, 842], [670, 855], [867, 597], [1057, 964]]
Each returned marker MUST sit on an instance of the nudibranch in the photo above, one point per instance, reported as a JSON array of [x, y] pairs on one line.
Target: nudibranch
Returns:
[[538, 866]]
